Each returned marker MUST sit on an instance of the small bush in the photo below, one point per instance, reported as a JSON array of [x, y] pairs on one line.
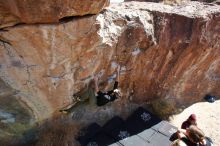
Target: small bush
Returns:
[[163, 107]]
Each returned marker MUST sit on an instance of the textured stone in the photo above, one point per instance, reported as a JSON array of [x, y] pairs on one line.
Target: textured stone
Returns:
[[137, 0], [50, 11], [171, 2], [164, 51]]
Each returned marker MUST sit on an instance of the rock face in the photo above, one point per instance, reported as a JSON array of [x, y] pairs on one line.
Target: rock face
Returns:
[[172, 52], [143, 0], [12, 114], [174, 1], [31, 11]]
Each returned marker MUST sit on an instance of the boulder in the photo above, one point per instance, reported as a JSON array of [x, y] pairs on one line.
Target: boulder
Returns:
[[50, 11], [168, 52]]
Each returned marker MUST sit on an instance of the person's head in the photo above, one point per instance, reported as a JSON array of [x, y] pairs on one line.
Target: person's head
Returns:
[[195, 134], [178, 142], [192, 119]]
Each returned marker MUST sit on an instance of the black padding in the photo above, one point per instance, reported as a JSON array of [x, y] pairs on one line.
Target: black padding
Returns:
[[114, 123], [87, 133], [142, 120], [101, 139], [116, 128], [134, 141], [134, 126], [147, 134], [141, 128], [160, 140], [120, 133]]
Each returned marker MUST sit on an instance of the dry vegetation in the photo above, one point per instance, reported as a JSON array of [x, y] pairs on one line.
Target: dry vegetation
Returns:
[[163, 107], [59, 131]]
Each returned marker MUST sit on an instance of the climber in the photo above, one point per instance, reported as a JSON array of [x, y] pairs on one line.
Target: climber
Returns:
[[193, 136], [190, 121], [109, 96]]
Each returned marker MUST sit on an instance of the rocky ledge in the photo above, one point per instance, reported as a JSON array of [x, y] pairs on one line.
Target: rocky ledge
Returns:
[[50, 11]]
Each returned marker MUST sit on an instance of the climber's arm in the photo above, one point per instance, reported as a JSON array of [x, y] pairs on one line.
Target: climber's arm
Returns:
[[96, 84], [117, 78], [118, 74]]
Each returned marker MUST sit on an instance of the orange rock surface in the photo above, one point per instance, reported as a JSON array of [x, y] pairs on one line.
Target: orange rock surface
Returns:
[[46, 11], [172, 52]]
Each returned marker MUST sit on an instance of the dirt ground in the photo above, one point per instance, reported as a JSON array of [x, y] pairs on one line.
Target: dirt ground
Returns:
[[208, 118]]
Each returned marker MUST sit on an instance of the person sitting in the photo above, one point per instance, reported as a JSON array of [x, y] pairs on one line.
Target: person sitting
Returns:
[[193, 136], [109, 96], [190, 121]]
